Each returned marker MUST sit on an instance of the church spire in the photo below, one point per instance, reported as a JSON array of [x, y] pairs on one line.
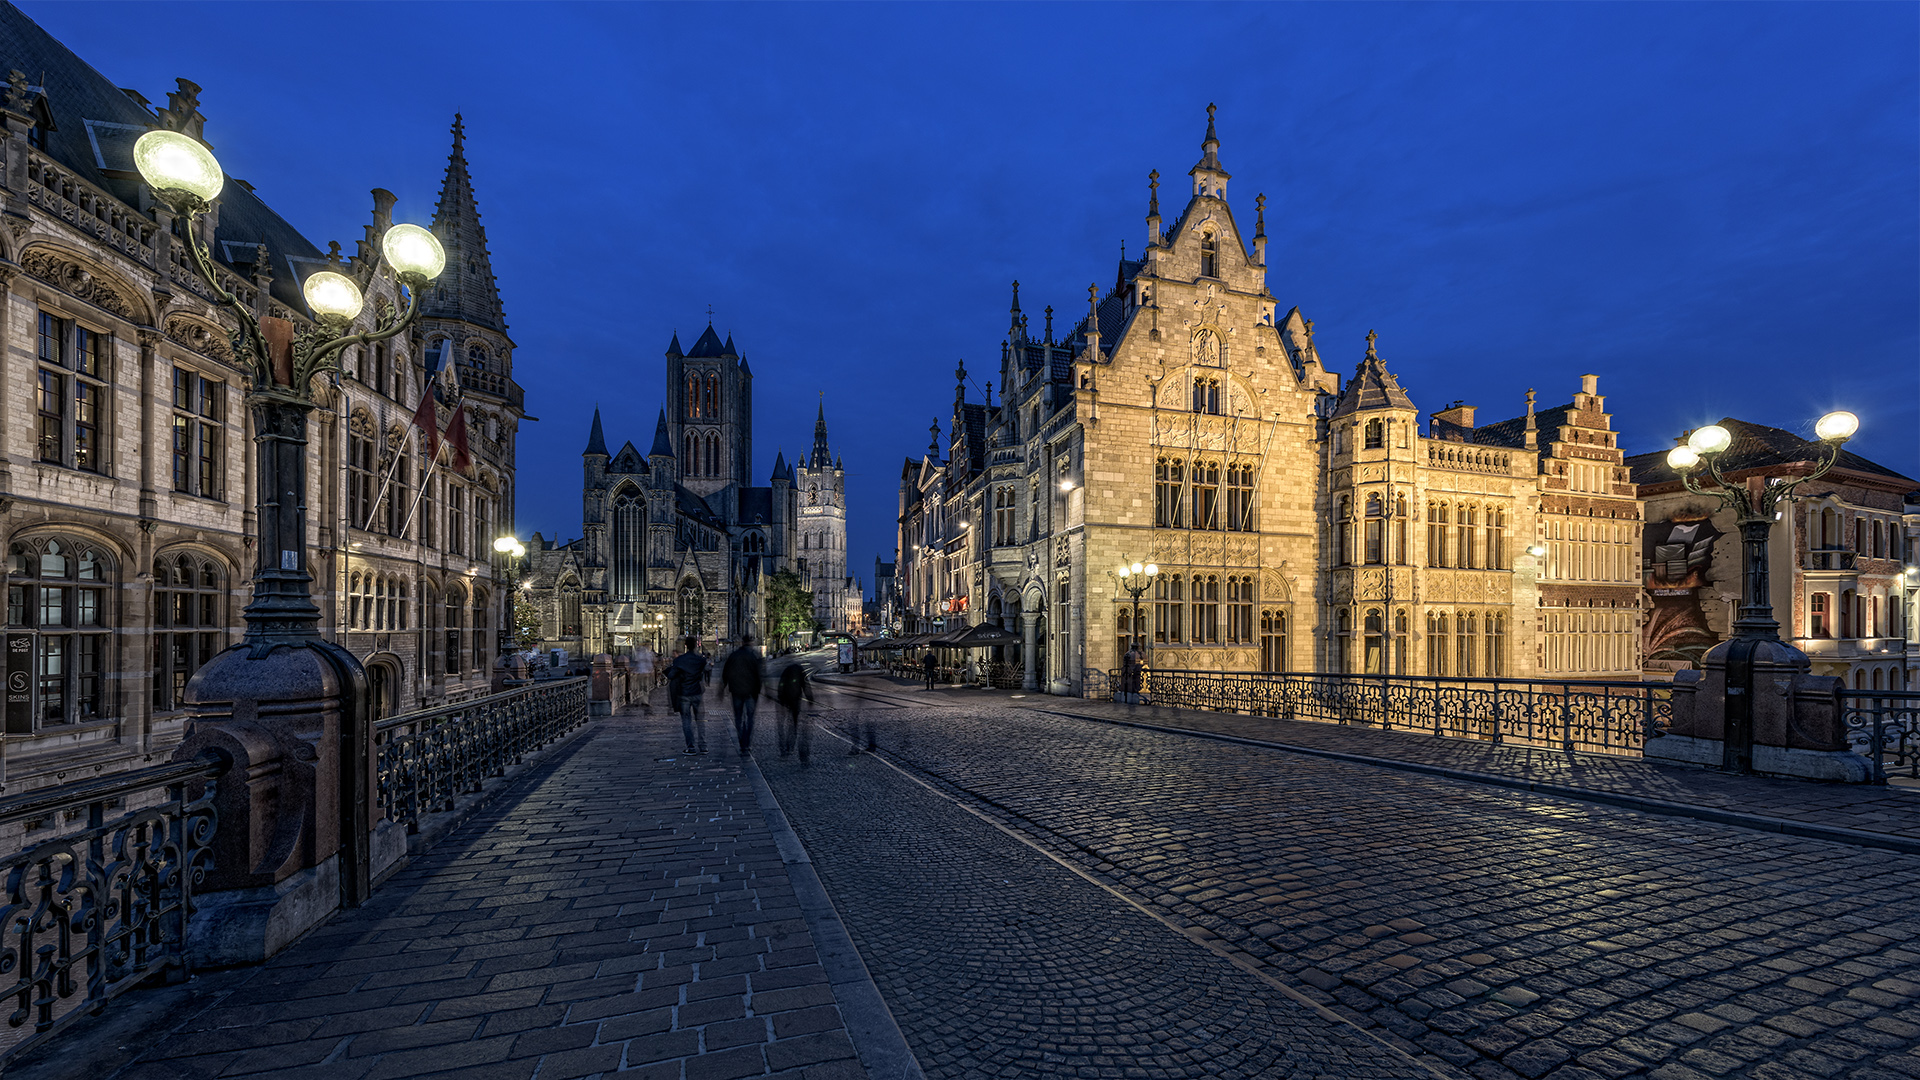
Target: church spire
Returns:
[[1013, 330], [467, 290], [821, 458], [596, 439]]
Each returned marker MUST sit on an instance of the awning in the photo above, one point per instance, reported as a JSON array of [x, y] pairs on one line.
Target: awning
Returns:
[[983, 635]]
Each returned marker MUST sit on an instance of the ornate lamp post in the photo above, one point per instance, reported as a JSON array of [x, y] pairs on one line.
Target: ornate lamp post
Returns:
[[1136, 579], [309, 695], [514, 551], [1756, 640]]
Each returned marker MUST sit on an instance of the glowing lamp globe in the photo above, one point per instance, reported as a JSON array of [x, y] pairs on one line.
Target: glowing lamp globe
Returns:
[[519, 550], [1152, 569], [1537, 550], [1137, 568], [1123, 571], [505, 544], [1710, 439], [411, 249], [331, 294], [1837, 426], [1682, 459], [169, 161]]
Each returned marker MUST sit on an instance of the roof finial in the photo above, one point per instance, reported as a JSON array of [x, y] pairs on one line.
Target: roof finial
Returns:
[[1049, 323], [1013, 326], [1371, 338], [709, 314], [960, 383], [1259, 216], [1153, 193], [933, 447]]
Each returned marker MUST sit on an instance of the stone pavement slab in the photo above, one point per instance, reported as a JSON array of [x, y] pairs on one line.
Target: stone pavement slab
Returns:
[[611, 913], [1497, 933]]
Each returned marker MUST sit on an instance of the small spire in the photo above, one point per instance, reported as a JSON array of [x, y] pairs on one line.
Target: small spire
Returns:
[[1371, 338], [1212, 140], [662, 443], [960, 384], [989, 389], [1259, 216], [933, 447], [1153, 194], [1049, 323], [596, 438], [1013, 328]]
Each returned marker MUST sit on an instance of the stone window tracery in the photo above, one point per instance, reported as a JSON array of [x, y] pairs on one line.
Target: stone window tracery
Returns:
[[58, 589], [189, 622]]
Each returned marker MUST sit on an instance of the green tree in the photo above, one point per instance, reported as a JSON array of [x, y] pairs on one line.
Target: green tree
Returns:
[[526, 621], [789, 603]]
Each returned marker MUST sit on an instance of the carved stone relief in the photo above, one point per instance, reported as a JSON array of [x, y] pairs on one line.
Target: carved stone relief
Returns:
[[78, 281]]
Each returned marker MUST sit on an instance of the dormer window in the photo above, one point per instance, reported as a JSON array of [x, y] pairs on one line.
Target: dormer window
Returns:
[[1209, 256], [37, 137]]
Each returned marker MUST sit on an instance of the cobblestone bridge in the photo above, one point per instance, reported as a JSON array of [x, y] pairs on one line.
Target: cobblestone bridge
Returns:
[[1036, 887]]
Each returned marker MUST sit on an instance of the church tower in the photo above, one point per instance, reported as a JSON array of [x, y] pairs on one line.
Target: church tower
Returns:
[[710, 413], [820, 482]]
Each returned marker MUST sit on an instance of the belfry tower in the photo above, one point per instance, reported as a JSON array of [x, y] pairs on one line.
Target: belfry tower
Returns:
[[820, 482]]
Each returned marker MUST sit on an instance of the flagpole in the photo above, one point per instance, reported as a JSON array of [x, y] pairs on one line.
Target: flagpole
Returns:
[[432, 463], [373, 508]]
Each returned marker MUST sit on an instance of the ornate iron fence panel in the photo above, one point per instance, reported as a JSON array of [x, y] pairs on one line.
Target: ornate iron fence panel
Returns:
[[1591, 716], [1884, 727], [428, 759], [98, 898]]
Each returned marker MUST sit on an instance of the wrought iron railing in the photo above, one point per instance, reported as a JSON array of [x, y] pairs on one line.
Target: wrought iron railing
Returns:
[[1592, 716], [1884, 727], [98, 898], [428, 759]]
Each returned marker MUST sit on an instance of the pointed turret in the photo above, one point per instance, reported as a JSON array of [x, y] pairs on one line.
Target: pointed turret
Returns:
[[673, 347], [729, 345], [1016, 321], [1209, 176], [1372, 386], [780, 471], [596, 439], [821, 457], [709, 346], [466, 290], [662, 442]]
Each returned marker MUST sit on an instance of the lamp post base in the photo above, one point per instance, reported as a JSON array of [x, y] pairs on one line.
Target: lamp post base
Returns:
[[1754, 707]]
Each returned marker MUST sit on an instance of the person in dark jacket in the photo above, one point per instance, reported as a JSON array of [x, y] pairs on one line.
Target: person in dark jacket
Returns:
[[795, 687], [685, 679], [932, 667], [740, 675]]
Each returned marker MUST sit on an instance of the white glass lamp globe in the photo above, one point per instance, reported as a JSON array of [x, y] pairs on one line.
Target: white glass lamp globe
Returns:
[[333, 294], [504, 544], [1123, 570], [1837, 426], [1682, 459], [1137, 568], [411, 249], [1537, 550], [1152, 569], [169, 161], [519, 550], [1710, 439]]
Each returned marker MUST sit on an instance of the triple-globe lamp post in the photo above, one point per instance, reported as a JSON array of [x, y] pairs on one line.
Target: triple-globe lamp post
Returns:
[[1755, 645], [1136, 579]]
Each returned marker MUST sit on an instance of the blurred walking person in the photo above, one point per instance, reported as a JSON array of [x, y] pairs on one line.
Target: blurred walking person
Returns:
[[794, 689], [931, 666], [740, 675], [685, 686]]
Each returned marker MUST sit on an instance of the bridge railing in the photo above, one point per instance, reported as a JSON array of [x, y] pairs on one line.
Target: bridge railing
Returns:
[[429, 758], [1567, 714], [99, 895], [1884, 727]]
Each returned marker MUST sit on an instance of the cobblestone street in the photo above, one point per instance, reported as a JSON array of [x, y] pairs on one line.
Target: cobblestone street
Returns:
[[1488, 932]]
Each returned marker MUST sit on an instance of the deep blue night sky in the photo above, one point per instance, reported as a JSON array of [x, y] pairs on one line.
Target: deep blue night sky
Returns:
[[1715, 207]]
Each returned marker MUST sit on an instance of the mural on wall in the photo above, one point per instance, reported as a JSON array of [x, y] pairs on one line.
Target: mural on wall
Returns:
[[1677, 557]]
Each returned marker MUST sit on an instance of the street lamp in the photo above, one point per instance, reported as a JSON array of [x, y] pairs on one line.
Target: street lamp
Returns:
[[1136, 579], [185, 176], [511, 547], [284, 675], [1756, 640]]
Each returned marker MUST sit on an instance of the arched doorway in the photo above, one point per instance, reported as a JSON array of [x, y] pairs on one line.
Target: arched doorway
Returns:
[[383, 687]]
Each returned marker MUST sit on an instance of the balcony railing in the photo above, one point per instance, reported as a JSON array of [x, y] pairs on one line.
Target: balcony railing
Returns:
[[101, 903], [1884, 727], [491, 382], [1831, 560], [1589, 716], [428, 759]]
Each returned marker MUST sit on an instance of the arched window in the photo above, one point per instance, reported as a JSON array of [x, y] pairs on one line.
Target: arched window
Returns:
[[1497, 645], [1436, 534], [1496, 538], [477, 355], [1437, 644], [1206, 495], [1375, 529], [482, 622], [713, 397], [1464, 554], [693, 609], [1342, 639], [455, 619], [398, 592], [1240, 498], [353, 599], [1374, 627], [362, 469], [58, 590], [690, 461], [629, 568], [189, 622], [1209, 255], [379, 604], [713, 455], [1342, 531], [1400, 529], [1467, 625], [1376, 434], [693, 395], [569, 608], [1169, 484]]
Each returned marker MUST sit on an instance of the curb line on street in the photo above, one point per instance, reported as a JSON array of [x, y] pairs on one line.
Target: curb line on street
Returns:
[[1195, 935], [1662, 807], [876, 1037]]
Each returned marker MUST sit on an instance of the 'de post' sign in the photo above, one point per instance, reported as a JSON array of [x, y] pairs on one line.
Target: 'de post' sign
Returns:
[[19, 684]]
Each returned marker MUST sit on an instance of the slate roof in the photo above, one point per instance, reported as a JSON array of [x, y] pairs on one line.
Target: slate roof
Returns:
[[1757, 446], [709, 346], [695, 507], [756, 506], [780, 469], [1372, 387], [596, 438], [673, 347], [76, 93]]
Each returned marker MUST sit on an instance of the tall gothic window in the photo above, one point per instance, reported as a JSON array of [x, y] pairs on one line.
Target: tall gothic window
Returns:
[[693, 394], [1240, 498], [1273, 640], [1342, 531], [1169, 594], [1436, 534], [1376, 435], [1209, 255], [1375, 529], [199, 408], [1463, 531], [1206, 609], [1206, 495], [1467, 626], [363, 478], [1169, 480], [1206, 396], [1400, 529], [569, 608], [58, 591], [1240, 610], [1496, 645], [693, 609], [711, 398], [455, 619], [1373, 627], [71, 393], [713, 454], [399, 494], [189, 623], [1437, 644], [629, 567], [482, 620], [690, 461], [456, 524], [1004, 513], [1496, 540]]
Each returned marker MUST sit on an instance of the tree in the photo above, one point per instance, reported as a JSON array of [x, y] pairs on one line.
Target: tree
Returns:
[[526, 622], [789, 603]]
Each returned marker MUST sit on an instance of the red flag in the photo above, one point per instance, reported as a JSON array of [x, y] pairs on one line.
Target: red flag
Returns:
[[457, 438], [428, 421]]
